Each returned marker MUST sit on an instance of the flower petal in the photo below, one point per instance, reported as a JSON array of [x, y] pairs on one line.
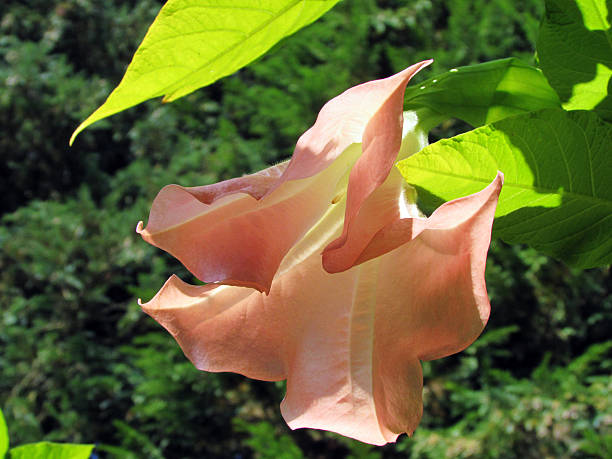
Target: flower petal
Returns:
[[380, 209], [373, 178], [229, 233], [223, 328], [380, 226], [449, 215], [359, 115]]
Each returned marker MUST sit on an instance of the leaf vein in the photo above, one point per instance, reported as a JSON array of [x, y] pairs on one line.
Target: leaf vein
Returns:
[[182, 34], [233, 46], [528, 187]]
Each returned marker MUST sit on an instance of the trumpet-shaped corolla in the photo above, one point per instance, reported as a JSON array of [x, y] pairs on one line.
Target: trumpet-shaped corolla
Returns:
[[322, 271]]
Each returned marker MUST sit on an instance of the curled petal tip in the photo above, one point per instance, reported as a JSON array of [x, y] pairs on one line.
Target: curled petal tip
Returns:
[[140, 227], [421, 65]]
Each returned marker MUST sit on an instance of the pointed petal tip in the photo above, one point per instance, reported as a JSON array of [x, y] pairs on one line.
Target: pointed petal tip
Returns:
[[496, 185], [426, 62], [421, 65], [407, 74], [173, 281]]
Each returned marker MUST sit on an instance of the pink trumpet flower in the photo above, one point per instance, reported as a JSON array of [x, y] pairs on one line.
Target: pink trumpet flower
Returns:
[[323, 272]]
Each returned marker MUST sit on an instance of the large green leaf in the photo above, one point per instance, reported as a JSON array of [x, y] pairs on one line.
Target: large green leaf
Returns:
[[193, 43], [4, 438], [556, 195], [48, 450], [484, 93], [575, 53]]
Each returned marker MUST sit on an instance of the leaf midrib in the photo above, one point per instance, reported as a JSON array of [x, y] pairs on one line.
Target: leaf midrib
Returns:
[[603, 21], [537, 189], [230, 48], [570, 235]]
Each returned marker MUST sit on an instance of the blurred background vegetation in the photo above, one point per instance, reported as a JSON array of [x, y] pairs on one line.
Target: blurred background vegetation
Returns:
[[80, 362]]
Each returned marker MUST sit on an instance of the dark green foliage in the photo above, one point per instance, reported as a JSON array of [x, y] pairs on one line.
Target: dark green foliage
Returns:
[[54, 61], [580, 74], [80, 362], [558, 309], [554, 412], [266, 442]]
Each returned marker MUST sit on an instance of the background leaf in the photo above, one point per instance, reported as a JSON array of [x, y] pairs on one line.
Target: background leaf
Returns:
[[575, 53], [4, 438], [556, 195], [484, 93], [193, 43], [48, 450]]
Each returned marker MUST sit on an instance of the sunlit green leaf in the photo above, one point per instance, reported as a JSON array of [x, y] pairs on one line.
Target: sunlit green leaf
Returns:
[[48, 450], [484, 93], [575, 53], [193, 43], [4, 438], [556, 195]]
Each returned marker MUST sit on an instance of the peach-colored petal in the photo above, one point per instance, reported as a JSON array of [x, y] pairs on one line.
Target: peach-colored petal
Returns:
[[223, 328], [380, 209], [348, 343], [224, 233], [372, 179], [449, 214], [451, 253], [370, 114], [354, 117]]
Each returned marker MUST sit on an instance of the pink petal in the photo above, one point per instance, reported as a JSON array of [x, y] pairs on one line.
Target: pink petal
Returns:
[[378, 226], [448, 215], [349, 343], [380, 209], [451, 248], [358, 115], [373, 175], [228, 233], [223, 328]]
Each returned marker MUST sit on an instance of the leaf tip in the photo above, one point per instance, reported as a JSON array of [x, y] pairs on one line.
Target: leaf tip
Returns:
[[75, 133], [88, 121]]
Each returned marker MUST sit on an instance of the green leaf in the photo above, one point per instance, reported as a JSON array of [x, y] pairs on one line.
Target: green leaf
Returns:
[[484, 93], [575, 53], [4, 438], [48, 450], [556, 195], [193, 43]]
